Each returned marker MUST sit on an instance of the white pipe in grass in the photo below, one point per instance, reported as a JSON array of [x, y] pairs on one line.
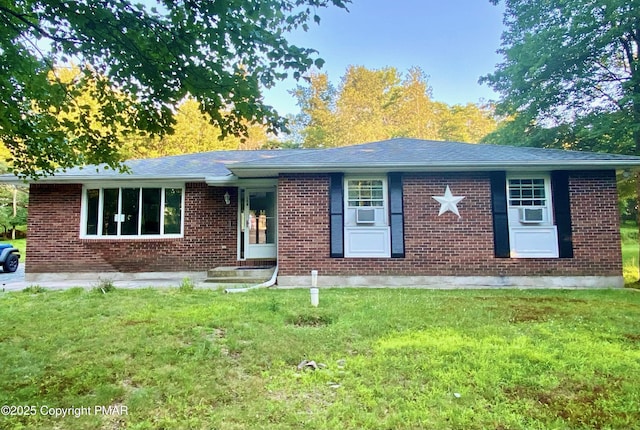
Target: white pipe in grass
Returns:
[[269, 283], [314, 291]]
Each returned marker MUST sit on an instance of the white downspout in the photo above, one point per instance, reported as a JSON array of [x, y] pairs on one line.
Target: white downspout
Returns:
[[269, 283]]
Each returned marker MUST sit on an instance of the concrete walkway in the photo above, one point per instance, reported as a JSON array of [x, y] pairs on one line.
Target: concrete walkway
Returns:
[[16, 281]]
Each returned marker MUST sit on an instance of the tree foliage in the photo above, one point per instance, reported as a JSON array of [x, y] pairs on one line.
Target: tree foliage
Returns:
[[317, 106], [571, 75], [193, 132], [13, 206], [139, 62], [380, 104]]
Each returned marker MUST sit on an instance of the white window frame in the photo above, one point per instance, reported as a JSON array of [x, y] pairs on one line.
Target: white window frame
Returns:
[[382, 183], [119, 236], [532, 239], [367, 240], [382, 209], [547, 207]]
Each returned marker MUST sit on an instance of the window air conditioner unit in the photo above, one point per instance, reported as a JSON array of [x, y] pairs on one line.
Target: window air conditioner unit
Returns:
[[365, 216], [531, 216]]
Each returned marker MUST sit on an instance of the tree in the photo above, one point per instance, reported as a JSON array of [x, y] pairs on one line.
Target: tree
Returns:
[[381, 104], [13, 207], [193, 132], [366, 104], [139, 62], [417, 114], [466, 123], [317, 106], [571, 75]]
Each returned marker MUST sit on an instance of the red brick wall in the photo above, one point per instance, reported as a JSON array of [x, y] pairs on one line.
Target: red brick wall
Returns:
[[54, 245], [434, 245], [447, 245]]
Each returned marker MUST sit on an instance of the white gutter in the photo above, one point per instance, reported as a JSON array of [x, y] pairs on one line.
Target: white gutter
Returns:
[[269, 283], [85, 179], [248, 172], [221, 180], [444, 166]]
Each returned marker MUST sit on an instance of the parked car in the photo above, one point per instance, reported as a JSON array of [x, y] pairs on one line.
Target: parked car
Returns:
[[9, 257]]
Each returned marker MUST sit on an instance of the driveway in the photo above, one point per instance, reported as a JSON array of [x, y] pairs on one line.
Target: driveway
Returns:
[[12, 281]]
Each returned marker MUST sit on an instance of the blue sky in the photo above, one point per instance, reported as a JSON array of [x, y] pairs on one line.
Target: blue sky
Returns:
[[453, 41]]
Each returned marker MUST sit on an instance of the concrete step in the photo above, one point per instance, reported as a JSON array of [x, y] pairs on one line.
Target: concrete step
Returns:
[[240, 275], [237, 280]]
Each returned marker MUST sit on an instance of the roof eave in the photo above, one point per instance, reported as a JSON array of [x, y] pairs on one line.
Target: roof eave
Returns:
[[85, 179], [221, 180], [251, 171]]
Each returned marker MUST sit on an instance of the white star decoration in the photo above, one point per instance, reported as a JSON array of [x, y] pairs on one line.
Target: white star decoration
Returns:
[[448, 202]]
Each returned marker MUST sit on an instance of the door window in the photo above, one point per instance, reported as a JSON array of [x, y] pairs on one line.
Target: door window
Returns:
[[262, 218]]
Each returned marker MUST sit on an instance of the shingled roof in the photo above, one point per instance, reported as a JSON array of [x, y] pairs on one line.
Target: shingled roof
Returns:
[[429, 155], [196, 167], [401, 154]]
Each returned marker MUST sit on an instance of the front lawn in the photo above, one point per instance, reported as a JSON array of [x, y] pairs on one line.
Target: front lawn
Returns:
[[394, 358], [630, 266]]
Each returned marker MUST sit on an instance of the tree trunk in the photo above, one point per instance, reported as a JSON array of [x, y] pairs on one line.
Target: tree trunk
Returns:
[[636, 139], [632, 50], [15, 211]]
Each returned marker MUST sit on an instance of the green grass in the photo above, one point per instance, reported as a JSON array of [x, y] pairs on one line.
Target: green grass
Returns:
[[630, 254], [395, 359], [21, 244], [630, 262]]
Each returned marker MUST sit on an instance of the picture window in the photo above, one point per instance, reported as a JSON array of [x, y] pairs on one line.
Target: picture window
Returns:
[[127, 212]]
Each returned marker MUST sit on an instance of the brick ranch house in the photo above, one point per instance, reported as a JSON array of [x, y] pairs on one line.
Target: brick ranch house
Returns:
[[401, 212]]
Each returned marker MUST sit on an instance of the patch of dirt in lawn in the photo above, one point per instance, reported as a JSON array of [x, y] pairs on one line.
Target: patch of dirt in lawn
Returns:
[[573, 401], [517, 313], [547, 299], [632, 337], [529, 309], [552, 300], [525, 313], [309, 320], [136, 322]]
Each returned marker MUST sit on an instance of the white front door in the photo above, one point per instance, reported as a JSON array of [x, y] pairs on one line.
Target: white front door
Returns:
[[258, 229]]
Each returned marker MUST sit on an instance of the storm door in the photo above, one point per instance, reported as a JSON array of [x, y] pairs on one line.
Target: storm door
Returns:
[[258, 223]]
